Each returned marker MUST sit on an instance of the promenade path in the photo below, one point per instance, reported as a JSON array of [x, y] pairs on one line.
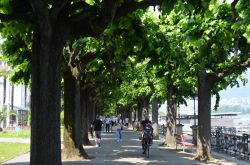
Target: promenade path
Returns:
[[128, 152]]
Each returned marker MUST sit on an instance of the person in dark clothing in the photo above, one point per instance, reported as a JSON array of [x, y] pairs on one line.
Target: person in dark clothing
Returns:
[[145, 122], [147, 132], [97, 124]]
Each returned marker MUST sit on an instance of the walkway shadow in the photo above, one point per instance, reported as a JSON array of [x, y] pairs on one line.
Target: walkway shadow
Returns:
[[129, 152]]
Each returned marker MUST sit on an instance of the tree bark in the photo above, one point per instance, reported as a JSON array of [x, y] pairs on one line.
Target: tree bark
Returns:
[[171, 118], [142, 108], [45, 96], [145, 104], [139, 114], [155, 109], [73, 148], [85, 128], [4, 90], [204, 117], [12, 98]]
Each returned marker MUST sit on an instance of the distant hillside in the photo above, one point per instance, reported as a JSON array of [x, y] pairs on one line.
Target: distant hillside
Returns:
[[235, 105], [234, 108], [243, 101], [239, 104]]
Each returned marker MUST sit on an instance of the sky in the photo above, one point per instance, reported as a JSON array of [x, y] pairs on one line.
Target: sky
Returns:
[[226, 96], [242, 91]]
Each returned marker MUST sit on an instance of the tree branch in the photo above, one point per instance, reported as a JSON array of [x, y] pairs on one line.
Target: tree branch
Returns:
[[15, 16], [79, 5], [94, 26], [109, 8], [235, 17], [58, 7], [240, 66], [234, 12], [132, 5], [38, 6], [41, 10]]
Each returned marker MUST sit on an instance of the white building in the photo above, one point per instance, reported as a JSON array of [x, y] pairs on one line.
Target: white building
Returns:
[[13, 97]]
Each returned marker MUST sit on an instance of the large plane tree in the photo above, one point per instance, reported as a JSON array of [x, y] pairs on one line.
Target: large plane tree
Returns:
[[217, 53], [54, 23]]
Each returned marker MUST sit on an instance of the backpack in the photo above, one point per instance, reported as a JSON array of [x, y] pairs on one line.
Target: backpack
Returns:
[[148, 133]]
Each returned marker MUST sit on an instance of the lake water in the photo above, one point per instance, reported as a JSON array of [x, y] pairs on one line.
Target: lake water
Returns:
[[240, 122]]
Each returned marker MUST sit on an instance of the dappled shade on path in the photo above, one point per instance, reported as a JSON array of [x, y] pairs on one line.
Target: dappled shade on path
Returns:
[[129, 152]]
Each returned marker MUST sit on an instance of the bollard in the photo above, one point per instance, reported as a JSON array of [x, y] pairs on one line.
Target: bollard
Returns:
[[194, 132]]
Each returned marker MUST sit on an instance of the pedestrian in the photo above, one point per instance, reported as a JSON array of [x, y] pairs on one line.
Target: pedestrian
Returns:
[[108, 122], [145, 122], [126, 121], [119, 127], [97, 124]]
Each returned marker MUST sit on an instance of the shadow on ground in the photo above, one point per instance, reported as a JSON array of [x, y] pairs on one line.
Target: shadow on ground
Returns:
[[129, 152]]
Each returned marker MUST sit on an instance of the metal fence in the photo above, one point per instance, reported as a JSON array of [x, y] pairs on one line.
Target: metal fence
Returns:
[[227, 140], [162, 129]]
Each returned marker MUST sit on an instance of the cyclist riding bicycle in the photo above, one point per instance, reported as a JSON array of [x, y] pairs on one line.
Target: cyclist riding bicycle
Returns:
[[147, 133]]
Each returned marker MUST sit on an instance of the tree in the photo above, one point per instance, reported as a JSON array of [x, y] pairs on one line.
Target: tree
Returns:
[[54, 23], [216, 57]]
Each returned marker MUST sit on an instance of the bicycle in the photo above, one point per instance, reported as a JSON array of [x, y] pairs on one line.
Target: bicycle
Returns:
[[147, 141], [147, 144]]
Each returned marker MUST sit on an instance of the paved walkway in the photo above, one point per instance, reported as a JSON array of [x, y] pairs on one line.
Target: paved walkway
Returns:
[[128, 152]]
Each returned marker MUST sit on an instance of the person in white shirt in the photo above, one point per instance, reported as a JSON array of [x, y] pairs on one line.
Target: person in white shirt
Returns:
[[126, 121], [118, 127]]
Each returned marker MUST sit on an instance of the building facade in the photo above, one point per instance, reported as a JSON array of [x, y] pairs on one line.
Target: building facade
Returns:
[[14, 101]]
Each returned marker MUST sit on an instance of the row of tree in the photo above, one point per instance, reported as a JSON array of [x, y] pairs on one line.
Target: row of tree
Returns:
[[121, 62]]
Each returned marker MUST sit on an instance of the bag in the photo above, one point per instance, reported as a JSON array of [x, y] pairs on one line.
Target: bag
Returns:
[[121, 127], [148, 133]]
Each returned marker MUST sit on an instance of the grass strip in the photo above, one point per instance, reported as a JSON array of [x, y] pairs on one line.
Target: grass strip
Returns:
[[11, 150], [15, 134]]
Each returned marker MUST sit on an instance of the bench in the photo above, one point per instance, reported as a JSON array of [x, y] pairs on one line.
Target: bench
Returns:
[[179, 139]]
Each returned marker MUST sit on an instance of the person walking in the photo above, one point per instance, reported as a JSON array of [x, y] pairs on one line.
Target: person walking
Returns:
[[126, 120], [97, 124], [108, 122], [118, 127]]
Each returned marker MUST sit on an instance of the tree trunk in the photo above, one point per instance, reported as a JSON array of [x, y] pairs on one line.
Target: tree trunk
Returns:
[[145, 105], [171, 119], [85, 128], [204, 117], [25, 97], [155, 117], [46, 94], [73, 148], [130, 117], [12, 98], [139, 114], [4, 90], [142, 108], [94, 111], [90, 117], [12, 116]]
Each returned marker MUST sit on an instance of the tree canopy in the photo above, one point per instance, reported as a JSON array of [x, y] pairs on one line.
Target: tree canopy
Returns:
[[121, 55]]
